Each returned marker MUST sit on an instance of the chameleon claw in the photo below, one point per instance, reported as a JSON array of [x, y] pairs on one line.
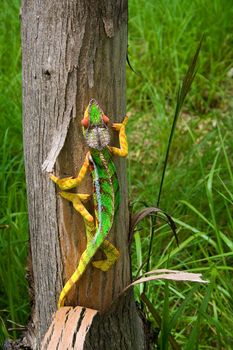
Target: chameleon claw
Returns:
[[75, 196], [64, 184], [83, 197], [125, 120], [53, 178], [102, 265], [118, 126]]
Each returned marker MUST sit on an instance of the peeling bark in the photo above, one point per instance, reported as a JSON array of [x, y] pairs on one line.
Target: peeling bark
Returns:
[[69, 328], [72, 51], [81, 328]]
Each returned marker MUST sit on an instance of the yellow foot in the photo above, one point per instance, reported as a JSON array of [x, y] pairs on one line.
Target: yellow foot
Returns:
[[112, 254], [76, 198], [125, 121], [64, 184], [84, 197], [103, 265], [118, 126]]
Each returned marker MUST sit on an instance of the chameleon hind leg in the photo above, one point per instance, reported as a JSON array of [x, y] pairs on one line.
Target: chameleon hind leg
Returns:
[[108, 248], [112, 254]]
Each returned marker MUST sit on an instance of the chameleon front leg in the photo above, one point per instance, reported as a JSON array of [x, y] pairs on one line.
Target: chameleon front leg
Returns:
[[123, 150], [70, 182]]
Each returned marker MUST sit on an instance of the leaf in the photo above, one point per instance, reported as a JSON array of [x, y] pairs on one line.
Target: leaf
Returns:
[[145, 212], [165, 274]]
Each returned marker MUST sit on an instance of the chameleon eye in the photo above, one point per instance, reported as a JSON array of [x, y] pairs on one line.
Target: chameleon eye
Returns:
[[85, 122], [105, 119]]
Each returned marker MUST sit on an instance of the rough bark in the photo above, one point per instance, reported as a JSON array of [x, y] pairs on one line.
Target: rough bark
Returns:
[[72, 51]]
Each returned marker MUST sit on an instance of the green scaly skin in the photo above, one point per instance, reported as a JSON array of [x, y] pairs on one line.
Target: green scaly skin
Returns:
[[105, 181]]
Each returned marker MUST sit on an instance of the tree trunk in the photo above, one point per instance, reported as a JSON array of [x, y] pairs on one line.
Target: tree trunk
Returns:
[[73, 51]]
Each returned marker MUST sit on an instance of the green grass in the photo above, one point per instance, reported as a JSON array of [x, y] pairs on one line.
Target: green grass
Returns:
[[198, 187], [13, 212]]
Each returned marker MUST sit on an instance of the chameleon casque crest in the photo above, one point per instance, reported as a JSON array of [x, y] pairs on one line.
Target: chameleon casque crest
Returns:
[[106, 196]]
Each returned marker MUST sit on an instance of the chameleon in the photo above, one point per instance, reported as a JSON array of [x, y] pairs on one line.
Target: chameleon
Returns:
[[106, 196]]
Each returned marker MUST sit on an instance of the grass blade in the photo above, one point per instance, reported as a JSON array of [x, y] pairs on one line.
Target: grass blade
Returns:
[[182, 93]]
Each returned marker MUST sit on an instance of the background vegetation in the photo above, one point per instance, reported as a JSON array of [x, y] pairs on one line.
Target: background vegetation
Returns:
[[198, 188]]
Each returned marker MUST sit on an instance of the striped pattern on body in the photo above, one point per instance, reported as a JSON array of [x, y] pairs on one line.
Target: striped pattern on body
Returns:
[[106, 201]]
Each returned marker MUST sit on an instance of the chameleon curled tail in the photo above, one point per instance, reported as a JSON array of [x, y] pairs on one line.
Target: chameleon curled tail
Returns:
[[95, 240]]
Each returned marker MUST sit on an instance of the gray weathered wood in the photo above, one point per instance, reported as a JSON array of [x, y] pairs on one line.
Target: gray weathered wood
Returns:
[[72, 51]]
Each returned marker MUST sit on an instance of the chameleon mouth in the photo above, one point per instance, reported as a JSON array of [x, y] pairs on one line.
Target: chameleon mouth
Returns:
[[97, 137]]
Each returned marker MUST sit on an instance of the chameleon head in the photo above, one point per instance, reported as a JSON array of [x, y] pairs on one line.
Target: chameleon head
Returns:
[[95, 126]]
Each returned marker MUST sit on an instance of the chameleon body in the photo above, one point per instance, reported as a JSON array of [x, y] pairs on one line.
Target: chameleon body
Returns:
[[106, 197]]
